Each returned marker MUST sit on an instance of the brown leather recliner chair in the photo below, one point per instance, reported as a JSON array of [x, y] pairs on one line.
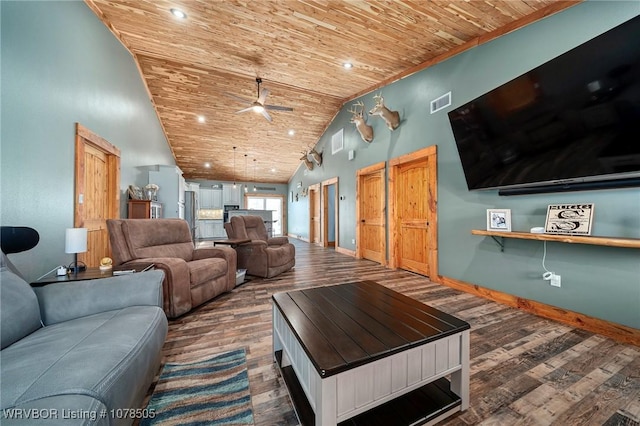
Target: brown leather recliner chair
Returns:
[[263, 256], [192, 276]]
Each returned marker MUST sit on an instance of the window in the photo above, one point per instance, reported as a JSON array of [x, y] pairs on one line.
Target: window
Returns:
[[268, 203]]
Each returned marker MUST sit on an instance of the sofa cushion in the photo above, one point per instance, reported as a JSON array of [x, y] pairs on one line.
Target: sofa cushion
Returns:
[[89, 356], [204, 270], [158, 238], [19, 310]]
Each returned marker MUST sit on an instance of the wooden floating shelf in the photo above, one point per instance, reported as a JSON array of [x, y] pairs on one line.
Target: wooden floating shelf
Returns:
[[571, 239]]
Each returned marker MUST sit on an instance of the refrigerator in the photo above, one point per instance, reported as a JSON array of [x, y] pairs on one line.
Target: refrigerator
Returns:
[[191, 211]]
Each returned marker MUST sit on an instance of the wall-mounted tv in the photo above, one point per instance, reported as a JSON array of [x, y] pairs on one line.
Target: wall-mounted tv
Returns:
[[573, 120]]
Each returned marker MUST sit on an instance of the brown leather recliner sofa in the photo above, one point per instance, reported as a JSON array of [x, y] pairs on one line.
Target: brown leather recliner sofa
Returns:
[[263, 256], [192, 276]]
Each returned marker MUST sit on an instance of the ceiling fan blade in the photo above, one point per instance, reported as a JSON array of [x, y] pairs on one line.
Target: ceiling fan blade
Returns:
[[245, 110], [263, 96], [278, 108], [238, 98], [266, 115]]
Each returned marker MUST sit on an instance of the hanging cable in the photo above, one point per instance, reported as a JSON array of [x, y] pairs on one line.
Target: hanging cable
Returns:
[[234, 167], [544, 256]]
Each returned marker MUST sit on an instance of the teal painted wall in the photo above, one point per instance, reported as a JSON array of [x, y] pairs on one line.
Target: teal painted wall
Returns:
[[61, 65], [598, 281]]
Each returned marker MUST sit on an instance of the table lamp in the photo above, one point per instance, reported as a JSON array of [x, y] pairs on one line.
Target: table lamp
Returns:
[[75, 241]]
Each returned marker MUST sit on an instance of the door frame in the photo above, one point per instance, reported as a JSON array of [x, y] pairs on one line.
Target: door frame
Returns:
[[429, 153], [324, 206], [360, 175], [85, 137], [315, 188]]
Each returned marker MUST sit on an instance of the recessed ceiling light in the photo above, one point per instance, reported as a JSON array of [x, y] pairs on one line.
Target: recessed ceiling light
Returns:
[[347, 65], [178, 13], [273, 170], [292, 132], [200, 119], [207, 165]]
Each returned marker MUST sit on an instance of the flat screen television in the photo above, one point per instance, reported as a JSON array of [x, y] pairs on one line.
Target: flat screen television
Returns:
[[573, 120]]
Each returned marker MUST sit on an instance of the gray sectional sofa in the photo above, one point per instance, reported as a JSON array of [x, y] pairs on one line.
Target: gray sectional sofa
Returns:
[[81, 352]]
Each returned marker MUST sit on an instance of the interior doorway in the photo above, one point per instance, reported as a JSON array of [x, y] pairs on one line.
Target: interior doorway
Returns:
[[413, 239], [97, 195], [329, 221], [371, 221], [315, 230]]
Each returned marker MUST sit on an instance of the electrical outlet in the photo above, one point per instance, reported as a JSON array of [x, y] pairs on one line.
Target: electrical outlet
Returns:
[[555, 280], [353, 241]]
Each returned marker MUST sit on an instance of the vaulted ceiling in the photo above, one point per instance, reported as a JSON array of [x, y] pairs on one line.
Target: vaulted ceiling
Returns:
[[203, 65]]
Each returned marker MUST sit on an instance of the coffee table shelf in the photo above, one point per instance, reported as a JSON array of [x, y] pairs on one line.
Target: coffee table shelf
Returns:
[[430, 403]]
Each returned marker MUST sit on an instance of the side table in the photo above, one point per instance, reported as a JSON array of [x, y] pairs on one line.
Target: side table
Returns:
[[233, 243], [92, 273]]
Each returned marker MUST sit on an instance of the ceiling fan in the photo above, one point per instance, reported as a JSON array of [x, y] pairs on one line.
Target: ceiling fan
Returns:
[[258, 105]]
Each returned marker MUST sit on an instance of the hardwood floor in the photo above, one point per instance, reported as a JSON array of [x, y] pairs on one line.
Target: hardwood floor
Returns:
[[525, 370]]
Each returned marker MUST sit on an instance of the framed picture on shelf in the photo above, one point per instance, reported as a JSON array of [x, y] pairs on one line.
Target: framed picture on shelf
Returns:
[[499, 220], [571, 219]]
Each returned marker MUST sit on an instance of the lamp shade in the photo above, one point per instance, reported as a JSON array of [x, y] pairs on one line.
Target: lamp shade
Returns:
[[75, 240]]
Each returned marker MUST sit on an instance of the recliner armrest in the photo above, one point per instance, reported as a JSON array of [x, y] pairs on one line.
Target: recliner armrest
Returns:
[[65, 301], [278, 241], [226, 253]]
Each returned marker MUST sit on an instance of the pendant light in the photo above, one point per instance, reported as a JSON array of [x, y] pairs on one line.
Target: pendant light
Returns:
[[254, 175], [234, 167], [245, 173]]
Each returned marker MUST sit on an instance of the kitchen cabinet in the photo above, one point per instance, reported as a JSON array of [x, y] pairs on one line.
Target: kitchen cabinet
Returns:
[[193, 186], [206, 198], [209, 229], [171, 190], [231, 195], [218, 229], [206, 229], [210, 198]]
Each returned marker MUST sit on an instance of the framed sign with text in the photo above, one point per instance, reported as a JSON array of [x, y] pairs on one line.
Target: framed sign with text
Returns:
[[572, 219]]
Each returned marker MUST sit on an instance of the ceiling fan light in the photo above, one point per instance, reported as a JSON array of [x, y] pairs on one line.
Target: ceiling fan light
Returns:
[[178, 13], [258, 109]]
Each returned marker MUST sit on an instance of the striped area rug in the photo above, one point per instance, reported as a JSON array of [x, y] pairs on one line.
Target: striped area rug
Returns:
[[214, 391]]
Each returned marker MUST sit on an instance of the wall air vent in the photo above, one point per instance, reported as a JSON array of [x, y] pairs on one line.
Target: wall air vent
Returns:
[[266, 188], [440, 103], [337, 142]]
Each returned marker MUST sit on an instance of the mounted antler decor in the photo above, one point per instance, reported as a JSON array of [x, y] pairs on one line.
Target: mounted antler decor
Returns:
[[357, 117], [392, 118], [317, 156], [307, 162]]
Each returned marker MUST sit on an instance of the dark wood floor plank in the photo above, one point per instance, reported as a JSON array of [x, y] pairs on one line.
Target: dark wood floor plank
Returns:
[[592, 376]]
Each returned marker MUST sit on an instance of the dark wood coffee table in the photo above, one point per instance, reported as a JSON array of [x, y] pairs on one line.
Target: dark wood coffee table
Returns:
[[361, 353]]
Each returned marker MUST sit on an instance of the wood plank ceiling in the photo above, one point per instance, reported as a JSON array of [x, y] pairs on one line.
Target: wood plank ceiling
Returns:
[[298, 48]]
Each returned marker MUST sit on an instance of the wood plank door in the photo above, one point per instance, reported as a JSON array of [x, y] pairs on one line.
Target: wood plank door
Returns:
[[97, 197], [413, 202], [315, 229], [371, 220]]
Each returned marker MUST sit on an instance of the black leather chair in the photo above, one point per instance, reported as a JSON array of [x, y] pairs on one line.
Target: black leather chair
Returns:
[[15, 239]]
